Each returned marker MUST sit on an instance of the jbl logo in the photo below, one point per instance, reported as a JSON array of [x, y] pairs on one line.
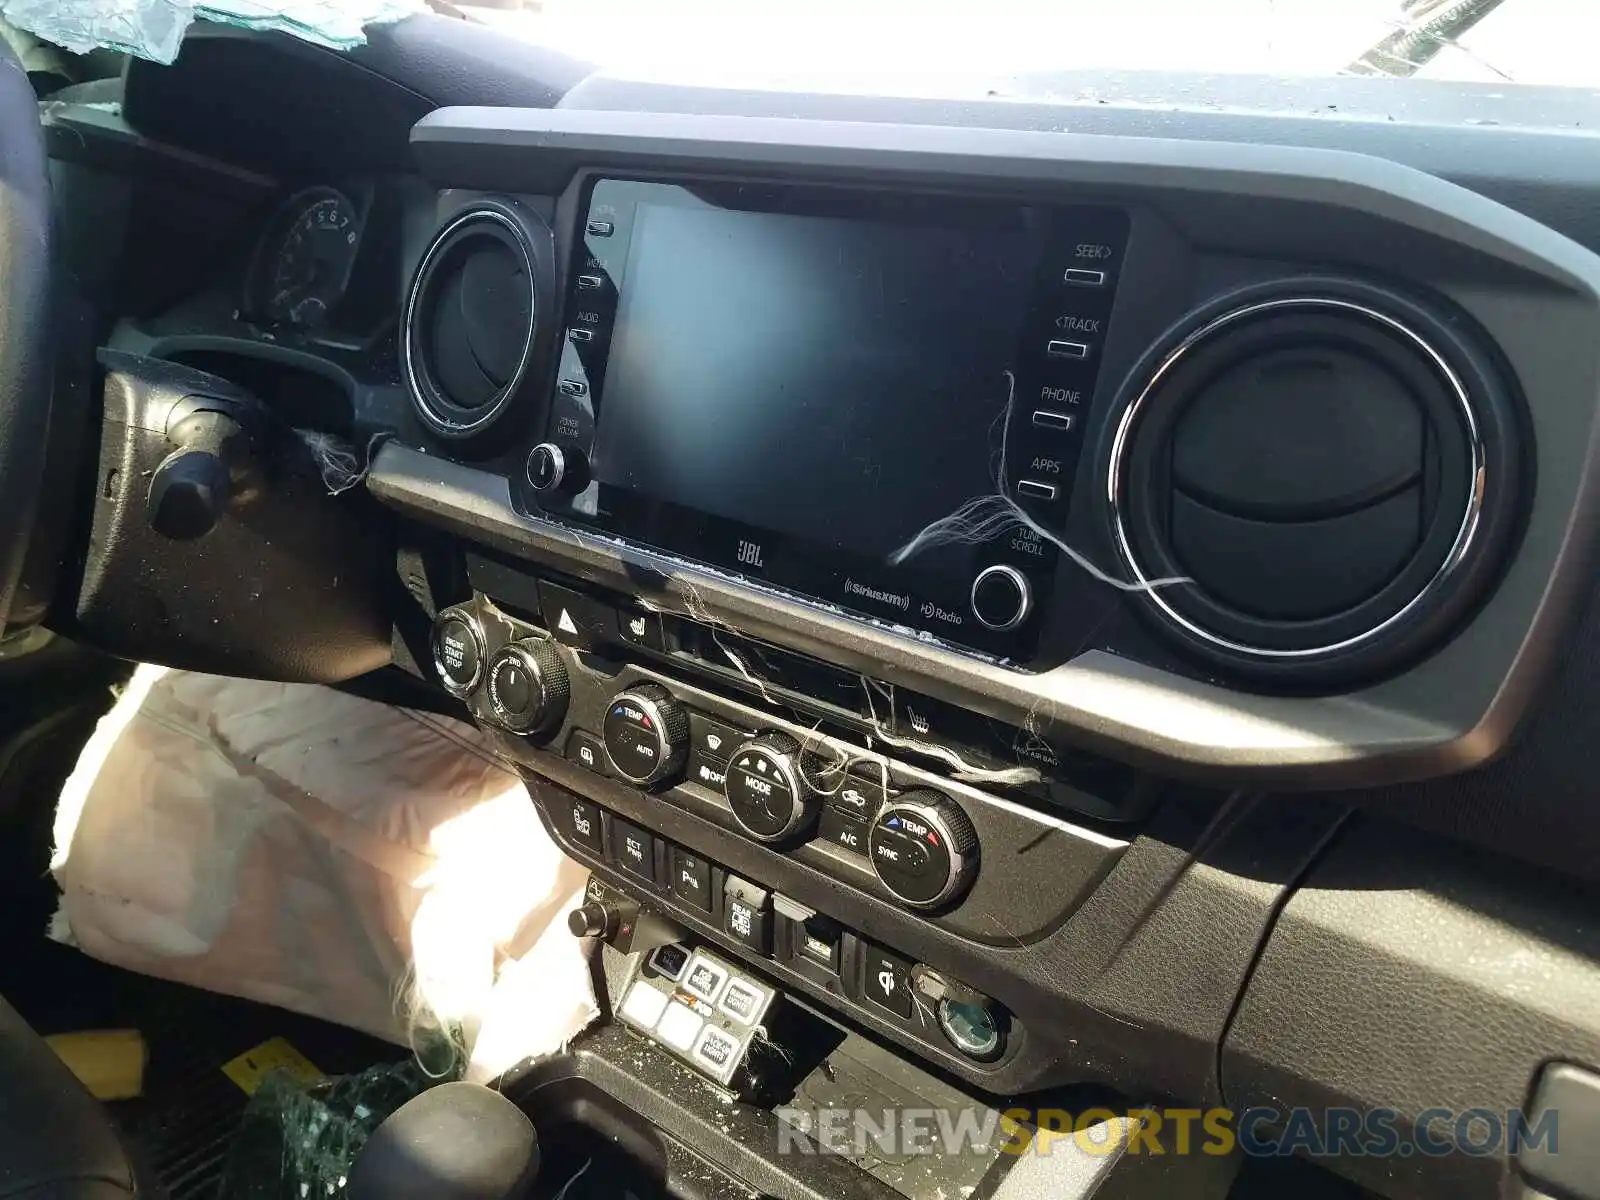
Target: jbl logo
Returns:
[[750, 554]]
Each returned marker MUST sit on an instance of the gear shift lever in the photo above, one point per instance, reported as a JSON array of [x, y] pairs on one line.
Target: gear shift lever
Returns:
[[457, 1141]]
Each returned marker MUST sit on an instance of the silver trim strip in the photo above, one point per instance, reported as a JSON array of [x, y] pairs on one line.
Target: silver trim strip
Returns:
[[439, 421], [1465, 532]]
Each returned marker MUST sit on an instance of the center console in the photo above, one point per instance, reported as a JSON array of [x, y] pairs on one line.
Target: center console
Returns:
[[916, 562]]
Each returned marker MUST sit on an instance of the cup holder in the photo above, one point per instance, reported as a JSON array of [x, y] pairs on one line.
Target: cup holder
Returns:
[[591, 1141]]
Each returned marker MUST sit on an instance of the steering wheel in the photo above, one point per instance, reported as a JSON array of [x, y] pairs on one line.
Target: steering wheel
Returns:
[[26, 362]]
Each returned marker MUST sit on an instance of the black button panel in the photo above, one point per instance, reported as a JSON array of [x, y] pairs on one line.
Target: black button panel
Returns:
[[588, 752], [634, 849], [767, 925], [842, 829], [748, 914], [580, 820], [887, 981], [690, 880]]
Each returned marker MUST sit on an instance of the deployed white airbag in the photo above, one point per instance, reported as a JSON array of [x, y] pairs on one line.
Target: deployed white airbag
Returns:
[[368, 865]]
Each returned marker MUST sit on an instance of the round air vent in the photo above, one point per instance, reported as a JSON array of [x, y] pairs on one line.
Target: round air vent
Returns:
[[472, 326], [1332, 470]]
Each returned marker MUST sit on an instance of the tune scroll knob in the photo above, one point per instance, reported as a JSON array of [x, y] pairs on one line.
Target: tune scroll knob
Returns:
[[1002, 597], [924, 849], [767, 790], [528, 686], [646, 733]]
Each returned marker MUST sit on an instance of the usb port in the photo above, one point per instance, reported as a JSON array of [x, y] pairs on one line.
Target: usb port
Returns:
[[573, 387], [581, 335], [1060, 349], [1046, 419], [1036, 489], [590, 283], [600, 229], [1083, 277]]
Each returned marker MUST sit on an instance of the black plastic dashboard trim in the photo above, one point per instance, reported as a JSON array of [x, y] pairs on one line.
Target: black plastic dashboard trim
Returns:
[[1121, 708], [1520, 280]]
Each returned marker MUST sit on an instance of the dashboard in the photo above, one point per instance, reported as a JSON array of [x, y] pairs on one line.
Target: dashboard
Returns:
[[1121, 585]]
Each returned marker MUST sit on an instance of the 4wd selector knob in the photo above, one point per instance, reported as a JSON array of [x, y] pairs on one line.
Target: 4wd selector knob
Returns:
[[528, 686], [646, 733], [767, 790], [924, 849]]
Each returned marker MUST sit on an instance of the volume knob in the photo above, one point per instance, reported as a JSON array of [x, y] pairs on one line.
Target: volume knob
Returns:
[[767, 790], [924, 849], [552, 470]]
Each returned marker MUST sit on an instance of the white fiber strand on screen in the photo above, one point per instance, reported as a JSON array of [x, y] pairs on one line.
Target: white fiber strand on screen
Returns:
[[983, 518]]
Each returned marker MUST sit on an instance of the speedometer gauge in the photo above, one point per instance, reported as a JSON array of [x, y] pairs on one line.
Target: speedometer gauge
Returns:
[[303, 263]]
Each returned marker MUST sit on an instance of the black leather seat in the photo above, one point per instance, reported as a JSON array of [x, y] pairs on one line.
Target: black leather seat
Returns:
[[56, 1140]]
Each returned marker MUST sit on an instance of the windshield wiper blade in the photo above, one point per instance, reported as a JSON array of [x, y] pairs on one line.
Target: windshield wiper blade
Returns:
[[1435, 25]]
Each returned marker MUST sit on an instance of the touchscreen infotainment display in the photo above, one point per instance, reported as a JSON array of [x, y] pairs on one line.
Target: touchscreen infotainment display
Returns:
[[836, 381], [791, 382]]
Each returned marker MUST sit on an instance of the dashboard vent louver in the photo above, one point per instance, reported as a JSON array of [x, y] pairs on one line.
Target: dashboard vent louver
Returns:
[[471, 322], [1332, 470]]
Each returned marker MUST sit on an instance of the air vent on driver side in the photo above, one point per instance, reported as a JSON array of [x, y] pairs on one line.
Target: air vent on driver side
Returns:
[[472, 326], [1333, 469]]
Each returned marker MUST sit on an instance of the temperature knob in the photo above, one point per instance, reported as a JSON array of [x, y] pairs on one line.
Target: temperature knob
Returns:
[[528, 686], [646, 733], [767, 790], [924, 849]]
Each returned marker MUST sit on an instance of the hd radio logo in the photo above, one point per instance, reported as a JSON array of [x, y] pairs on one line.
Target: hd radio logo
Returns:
[[1254, 1132]]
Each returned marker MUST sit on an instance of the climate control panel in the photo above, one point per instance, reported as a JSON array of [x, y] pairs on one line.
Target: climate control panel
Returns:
[[577, 699], [784, 836], [921, 845]]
